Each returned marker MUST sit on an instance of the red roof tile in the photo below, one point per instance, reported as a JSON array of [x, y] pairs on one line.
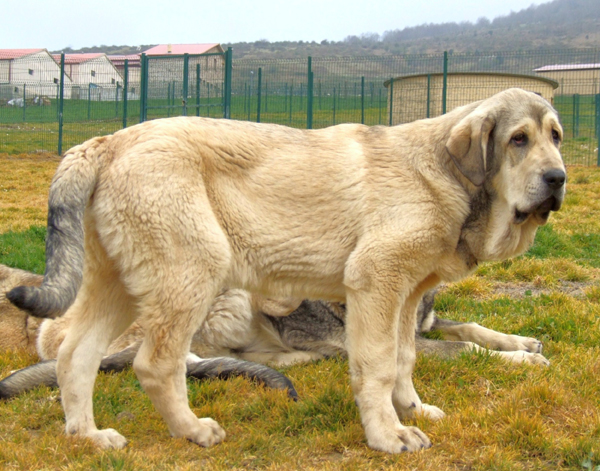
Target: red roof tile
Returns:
[[78, 58], [119, 59], [16, 53]]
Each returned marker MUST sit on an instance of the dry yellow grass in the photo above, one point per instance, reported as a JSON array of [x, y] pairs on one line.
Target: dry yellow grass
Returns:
[[500, 416], [24, 189]]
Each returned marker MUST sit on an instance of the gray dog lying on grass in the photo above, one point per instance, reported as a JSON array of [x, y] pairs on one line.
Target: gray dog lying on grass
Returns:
[[240, 335]]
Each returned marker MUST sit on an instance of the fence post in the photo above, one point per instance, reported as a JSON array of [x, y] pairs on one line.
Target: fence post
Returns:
[[362, 100], [259, 94], [391, 99], [117, 101], [428, 94], [445, 83], [228, 77], [125, 87], [61, 100], [198, 83], [186, 73], [598, 129], [143, 76], [309, 96]]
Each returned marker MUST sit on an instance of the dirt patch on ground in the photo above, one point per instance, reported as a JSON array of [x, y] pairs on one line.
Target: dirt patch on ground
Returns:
[[520, 290]]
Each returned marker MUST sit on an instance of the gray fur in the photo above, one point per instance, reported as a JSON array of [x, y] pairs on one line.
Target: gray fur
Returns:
[[44, 373], [71, 192], [225, 367], [40, 374]]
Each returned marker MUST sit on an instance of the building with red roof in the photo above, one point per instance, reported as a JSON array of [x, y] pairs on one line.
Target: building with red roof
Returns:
[[28, 73]]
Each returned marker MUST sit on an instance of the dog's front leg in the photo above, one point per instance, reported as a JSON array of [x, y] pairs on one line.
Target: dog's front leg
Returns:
[[372, 342], [405, 398]]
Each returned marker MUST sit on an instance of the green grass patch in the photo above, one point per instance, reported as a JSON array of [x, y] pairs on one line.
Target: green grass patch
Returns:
[[25, 250], [582, 247]]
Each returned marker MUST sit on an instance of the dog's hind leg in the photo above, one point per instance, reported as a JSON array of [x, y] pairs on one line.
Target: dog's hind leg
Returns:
[[514, 348], [100, 313]]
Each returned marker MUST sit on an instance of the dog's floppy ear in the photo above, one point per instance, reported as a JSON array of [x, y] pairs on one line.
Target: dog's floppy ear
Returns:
[[467, 146]]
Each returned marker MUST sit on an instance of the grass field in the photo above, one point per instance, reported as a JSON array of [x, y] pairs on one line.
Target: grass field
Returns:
[[500, 416]]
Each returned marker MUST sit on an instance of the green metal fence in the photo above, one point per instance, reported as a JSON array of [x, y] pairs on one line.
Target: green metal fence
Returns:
[[41, 113]]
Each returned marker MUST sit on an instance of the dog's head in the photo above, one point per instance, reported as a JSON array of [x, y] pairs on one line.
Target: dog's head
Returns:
[[509, 145]]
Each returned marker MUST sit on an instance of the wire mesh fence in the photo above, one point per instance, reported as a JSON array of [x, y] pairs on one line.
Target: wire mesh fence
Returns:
[[44, 109]]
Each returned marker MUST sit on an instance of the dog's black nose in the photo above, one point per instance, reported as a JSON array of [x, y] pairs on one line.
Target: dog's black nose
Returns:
[[555, 178]]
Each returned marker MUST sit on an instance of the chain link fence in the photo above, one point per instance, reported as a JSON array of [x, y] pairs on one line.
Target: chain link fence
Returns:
[[98, 95]]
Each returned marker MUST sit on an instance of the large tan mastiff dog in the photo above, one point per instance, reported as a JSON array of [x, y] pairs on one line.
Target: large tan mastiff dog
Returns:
[[150, 223]]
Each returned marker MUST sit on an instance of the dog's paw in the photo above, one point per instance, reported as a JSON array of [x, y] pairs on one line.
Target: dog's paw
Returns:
[[207, 433], [537, 359], [400, 439], [107, 438], [525, 357], [515, 343], [431, 412]]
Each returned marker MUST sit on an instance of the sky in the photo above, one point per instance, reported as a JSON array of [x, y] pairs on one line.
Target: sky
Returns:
[[57, 24]]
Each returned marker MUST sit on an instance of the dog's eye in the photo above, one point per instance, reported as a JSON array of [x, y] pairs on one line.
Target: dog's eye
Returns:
[[555, 136], [519, 139]]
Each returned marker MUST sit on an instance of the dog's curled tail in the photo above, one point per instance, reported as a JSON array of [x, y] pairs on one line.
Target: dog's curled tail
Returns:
[[70, 191], [40, 374], [44, 373], [225, 367]]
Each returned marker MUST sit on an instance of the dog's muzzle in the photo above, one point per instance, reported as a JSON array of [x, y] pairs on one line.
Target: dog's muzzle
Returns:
[[554, 192]]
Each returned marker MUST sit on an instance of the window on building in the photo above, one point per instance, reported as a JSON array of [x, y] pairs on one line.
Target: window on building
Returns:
[[112, 81], [93, 73], [16, 89], [55, 80], [30, 71]]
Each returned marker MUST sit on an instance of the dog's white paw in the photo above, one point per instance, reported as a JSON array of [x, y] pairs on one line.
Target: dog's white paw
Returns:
[[431, 412], [537, 359], [107, 438], [398, 440], [526, 344], [525, 357], [207, 433]]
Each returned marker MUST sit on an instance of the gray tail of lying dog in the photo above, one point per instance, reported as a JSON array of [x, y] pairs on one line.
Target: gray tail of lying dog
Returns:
[[44, 373], [70, 191]]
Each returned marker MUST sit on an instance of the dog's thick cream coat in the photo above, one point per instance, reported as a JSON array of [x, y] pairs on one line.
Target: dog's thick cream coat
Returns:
[[179, 208]]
